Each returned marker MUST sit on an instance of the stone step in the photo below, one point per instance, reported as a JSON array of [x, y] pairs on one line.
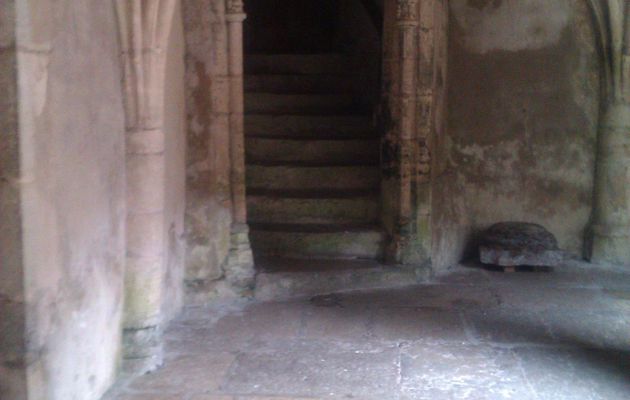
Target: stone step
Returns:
[[308, 125], [281, 278], [299, 84], [303, 104], [297, 64], [323, 241], [312, 207], [287, 149], [310, 177]]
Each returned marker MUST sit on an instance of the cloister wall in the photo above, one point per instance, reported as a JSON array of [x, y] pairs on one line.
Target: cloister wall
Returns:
[[522, 121]]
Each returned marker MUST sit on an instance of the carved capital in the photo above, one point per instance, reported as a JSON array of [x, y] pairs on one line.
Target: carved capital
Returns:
[[235, 6], [625, 78], [407, 11]]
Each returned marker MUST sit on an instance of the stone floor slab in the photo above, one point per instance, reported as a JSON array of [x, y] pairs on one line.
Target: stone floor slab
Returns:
[[592, 329], [509, 326], [507, 336], [336, 323], [146, 396], [427, 296], [321, 369], [577, 373], [414, 324], [187, 373], [432, 372], [544, 298]]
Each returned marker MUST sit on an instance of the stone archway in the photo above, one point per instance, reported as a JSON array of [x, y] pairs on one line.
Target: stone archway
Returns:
[[215, 194]]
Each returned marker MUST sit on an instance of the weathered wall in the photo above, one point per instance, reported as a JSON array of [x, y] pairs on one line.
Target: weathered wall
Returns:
[[208, 196], [72, 181], [523, 111], [175, 155]]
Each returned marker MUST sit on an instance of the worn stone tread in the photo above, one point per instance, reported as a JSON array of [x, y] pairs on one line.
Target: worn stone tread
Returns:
[[302, 104], [279, 83], [313, 194], [323, 177], [283, 208], [290, 264], [294, 124], [316, 150], [314, 228], [298, 63], [314, 164], [351, 137]]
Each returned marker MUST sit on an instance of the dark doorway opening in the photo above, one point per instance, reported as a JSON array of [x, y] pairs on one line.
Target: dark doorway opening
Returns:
[[312, 73], [295, 26]]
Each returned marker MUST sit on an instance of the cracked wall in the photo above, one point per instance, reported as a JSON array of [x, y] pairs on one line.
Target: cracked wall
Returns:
[[523, 114]]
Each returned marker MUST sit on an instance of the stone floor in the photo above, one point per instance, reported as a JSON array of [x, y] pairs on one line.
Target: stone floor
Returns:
[[474, 334]]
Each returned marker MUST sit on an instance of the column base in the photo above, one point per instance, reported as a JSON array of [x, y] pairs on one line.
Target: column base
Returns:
[[407, 251], [143, 350], [611, 246], [239, 268]]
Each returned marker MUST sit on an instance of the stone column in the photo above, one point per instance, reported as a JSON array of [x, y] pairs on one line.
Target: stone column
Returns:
[[407, 24], [144, 30], [240, 267], [611, 228], [414, 91]]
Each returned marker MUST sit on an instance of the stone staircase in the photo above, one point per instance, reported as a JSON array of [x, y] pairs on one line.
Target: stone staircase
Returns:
[[312, 160]]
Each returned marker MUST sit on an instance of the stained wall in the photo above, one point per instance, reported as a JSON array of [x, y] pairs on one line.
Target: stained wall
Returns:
[[71, 179], [522, 122]]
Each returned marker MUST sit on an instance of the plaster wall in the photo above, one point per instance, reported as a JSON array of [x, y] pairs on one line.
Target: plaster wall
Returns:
[[522, 126], [72, 196], [175, 155]]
